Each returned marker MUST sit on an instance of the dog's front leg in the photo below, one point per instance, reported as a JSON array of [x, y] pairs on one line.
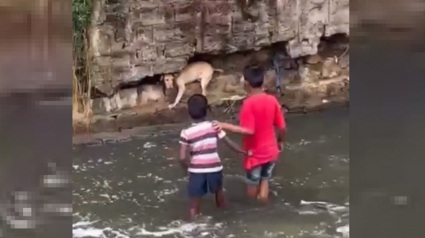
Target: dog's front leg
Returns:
[[182, 88]]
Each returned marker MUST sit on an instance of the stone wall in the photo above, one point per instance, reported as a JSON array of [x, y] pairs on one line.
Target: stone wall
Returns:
[[131, 39], [319, 81]]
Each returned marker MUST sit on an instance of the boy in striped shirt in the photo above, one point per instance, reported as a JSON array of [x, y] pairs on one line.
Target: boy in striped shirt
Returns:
[[204, 167]]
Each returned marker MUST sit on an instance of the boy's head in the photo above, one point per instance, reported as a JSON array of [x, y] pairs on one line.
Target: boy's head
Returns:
[[254, 77], [197, 106]]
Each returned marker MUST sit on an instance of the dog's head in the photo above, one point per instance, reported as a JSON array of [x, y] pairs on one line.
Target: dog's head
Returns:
[[168, 80]]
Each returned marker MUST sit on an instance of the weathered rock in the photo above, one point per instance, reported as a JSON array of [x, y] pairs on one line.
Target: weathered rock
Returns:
[[127, 98], [307, 75], [330, 68], [317, 18], [231, 83], [115, 102], [131, 39], [344, 61], [313, 59], [101, 105], [150, 93], [303, 97]]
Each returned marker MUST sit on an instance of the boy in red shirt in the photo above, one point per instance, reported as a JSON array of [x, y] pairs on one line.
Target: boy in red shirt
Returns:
[[259, 115]]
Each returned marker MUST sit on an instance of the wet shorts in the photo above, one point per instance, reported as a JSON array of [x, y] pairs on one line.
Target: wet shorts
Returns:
[[203, 183], [264, 171]]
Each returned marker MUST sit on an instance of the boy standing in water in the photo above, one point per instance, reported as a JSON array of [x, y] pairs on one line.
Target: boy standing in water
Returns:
[[204, 167], [259, 115]]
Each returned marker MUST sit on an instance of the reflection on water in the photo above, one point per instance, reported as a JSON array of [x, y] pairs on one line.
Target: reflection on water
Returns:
[[137, 189]]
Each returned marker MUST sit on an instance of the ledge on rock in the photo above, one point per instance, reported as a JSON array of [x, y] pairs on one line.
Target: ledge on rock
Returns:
[[127, 47]]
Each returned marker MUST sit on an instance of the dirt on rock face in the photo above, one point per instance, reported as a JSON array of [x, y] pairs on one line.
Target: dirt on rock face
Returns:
[[314, 83], [302, 98], [134, 39]]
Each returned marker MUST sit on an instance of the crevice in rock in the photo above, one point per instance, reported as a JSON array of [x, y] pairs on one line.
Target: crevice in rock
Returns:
[[148, 80], [130, 95], [235, 62], [336, 45], [150, 93]]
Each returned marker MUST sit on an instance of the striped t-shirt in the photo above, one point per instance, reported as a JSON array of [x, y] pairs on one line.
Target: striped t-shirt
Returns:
[[202, 141]]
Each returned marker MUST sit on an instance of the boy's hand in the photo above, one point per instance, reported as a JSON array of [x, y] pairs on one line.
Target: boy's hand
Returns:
[[280, 146], [216, 125], [184, 165], [249, 153]]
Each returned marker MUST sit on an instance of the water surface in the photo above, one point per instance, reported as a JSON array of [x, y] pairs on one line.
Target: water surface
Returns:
[[137, 189]]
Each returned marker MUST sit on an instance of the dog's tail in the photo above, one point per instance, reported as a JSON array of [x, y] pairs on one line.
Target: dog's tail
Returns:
[[219, 70]]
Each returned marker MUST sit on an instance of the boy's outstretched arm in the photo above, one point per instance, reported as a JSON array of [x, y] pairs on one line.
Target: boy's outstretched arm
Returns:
[[235, 128], [234, 146], [229, 142], [247, 123]]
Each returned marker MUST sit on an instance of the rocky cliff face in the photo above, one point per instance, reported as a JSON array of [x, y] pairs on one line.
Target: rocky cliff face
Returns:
[[132, 39]]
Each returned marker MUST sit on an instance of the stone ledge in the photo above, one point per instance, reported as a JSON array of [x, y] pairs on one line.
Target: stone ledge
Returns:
[[103, 138], [146, 26], [112, 128]]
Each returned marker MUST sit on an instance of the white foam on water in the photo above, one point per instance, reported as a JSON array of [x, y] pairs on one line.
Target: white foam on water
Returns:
[[87, 232], [308, 212], [312, 203], [86, 229], [204, 227], [182, 230], [343, 229], [149, 145]]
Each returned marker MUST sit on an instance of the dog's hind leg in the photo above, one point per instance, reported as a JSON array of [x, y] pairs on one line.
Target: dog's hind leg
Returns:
[[204, 84]]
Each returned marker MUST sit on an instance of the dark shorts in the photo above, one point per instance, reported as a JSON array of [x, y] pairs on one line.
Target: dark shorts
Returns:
[[203, 183], [264, 171]]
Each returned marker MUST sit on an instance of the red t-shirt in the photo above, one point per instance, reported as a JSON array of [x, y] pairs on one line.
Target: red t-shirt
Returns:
[[261, 113]]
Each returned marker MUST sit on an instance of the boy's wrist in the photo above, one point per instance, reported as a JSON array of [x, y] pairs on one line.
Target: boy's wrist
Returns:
[[221, 134], [183, 164]]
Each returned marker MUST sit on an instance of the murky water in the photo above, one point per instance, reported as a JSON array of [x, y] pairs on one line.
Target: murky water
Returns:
[[137, 189]]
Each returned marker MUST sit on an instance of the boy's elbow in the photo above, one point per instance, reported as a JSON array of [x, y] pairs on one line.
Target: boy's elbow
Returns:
[[249, 132], [182, 155]]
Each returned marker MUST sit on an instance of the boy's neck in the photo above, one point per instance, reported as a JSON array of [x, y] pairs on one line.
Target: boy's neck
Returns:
[[198, 120], [255, 91]]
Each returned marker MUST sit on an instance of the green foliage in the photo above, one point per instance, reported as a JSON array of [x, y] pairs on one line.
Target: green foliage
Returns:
[[81, 16]]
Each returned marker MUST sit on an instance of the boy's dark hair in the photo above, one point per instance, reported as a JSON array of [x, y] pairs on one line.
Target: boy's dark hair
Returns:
[[254, 75], [197, 106]]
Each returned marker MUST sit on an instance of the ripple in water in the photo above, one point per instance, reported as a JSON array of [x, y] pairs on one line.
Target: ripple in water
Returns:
[[205, 227]]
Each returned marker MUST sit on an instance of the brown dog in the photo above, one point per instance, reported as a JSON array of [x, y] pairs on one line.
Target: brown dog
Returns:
[[198, 71]]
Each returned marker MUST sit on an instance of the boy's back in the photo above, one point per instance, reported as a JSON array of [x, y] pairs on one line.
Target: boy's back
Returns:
[[202, 140], [204, 167], [261, 113]]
